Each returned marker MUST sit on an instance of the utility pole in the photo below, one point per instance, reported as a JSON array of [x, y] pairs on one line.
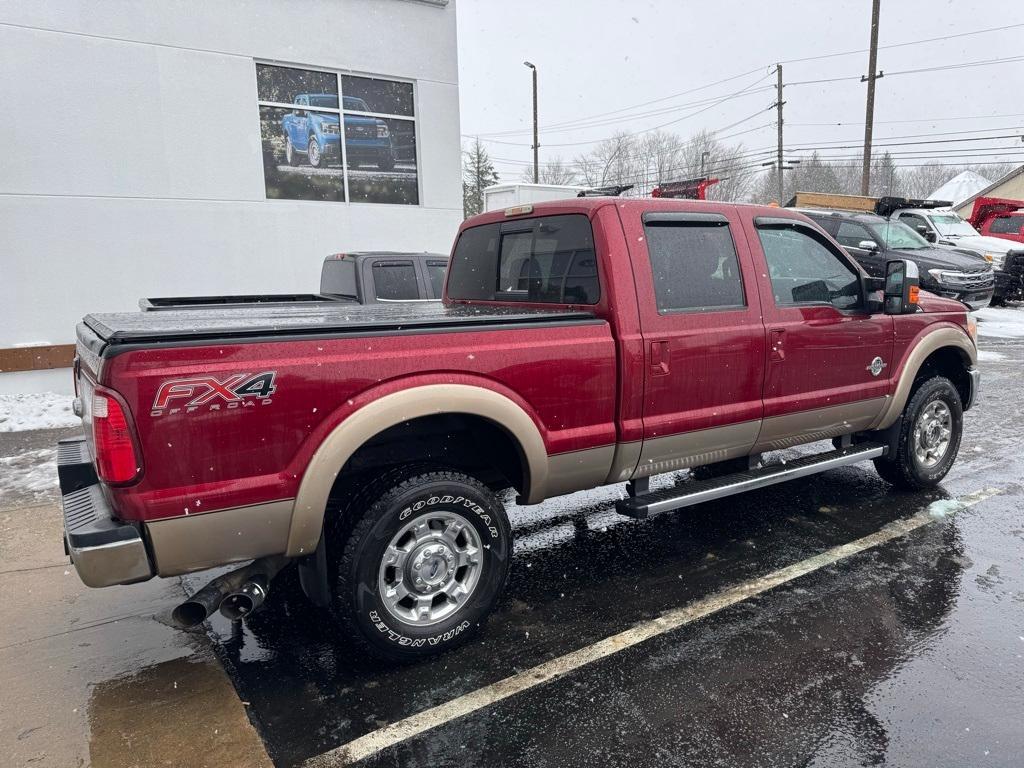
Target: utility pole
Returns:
[[779, 103], [536, 143], [479, 171], [869, 118]]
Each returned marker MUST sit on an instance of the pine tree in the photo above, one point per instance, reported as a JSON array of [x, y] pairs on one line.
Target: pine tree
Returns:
[[477, 174]]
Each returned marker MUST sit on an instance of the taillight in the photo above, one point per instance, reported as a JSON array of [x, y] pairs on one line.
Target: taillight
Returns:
[[116, 458]]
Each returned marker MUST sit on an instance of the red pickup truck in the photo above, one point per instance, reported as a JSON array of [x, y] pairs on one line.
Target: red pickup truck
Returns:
[[581, 343], [998, 217]]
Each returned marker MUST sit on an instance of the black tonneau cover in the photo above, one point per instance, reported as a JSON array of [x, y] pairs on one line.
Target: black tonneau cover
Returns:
[[268, 321]]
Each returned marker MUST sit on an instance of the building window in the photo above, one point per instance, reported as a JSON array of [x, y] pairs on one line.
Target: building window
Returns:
[[329, 136]]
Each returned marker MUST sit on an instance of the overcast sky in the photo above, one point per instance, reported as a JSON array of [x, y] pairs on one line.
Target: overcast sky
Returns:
[[599, 56]]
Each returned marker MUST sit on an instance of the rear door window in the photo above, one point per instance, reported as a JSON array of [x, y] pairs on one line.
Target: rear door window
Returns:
[[694, 265], [550, 259], [852, 235], [395, 280], [435, 273]]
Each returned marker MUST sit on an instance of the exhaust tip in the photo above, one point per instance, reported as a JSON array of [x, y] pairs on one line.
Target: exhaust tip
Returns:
[[189, 614], [240, 604]]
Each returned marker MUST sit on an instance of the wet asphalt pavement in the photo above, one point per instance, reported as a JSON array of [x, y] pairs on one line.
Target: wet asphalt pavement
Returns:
[[906, 654], [910, 653]]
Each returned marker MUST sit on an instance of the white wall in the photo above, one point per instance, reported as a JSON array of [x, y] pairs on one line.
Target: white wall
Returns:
[[132, 160]]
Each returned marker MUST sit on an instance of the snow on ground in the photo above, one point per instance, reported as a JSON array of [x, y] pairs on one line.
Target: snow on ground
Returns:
[[1000, 322], [32, 474], [988, 356], [44, 410]]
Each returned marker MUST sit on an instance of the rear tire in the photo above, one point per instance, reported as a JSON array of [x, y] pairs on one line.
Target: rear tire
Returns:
[[290, 154], [424, 560], [929, 437]]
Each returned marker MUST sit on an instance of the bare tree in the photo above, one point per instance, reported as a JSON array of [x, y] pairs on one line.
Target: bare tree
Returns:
[[555, 171], [925, 179], [613, 161]]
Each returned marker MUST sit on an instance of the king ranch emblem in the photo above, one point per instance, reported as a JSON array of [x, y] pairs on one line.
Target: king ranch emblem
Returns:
[[203, 394], [877, 366]]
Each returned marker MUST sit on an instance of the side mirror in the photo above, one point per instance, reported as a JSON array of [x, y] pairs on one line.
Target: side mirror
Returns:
[[868, 245], [922, 230], [902, 286], [874, 294], [930, 236]]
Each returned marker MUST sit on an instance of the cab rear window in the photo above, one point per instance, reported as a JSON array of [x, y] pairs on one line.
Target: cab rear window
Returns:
[[549, 259], [1008, 225]]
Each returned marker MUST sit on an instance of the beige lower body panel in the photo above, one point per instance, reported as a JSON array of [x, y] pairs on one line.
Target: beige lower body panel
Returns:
[[578, 470], [820, 424], [195, 542], [694, 449]]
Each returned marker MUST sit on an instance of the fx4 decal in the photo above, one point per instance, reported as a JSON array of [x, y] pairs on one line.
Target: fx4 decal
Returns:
[[206, 393]]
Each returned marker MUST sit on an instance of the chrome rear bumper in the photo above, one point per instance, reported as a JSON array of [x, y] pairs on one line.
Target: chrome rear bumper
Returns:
[[104, 551]]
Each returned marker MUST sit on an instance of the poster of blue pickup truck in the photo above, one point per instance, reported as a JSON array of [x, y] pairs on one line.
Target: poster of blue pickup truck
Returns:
[[328, 136], [315, 137]]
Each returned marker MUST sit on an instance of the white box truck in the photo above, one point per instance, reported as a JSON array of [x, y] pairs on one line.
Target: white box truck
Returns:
[[506, 195]]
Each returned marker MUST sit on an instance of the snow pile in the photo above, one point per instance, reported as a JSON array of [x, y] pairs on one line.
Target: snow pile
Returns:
[[960, 187], [1000, 322], [44, 410], [33, 473], [944, 507]]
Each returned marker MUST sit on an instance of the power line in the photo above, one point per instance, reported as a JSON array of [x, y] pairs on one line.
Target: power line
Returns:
[[668, 110], [918, 120], [633, 106], [620, 110], [941, 68], [904, 44]]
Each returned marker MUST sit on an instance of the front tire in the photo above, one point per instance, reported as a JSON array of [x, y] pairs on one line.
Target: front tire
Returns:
[[424, 563], [313, 153], [929, 437]]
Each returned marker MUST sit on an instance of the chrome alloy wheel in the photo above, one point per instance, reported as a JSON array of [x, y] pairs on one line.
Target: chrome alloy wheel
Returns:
[[430, 568], [932, 434]]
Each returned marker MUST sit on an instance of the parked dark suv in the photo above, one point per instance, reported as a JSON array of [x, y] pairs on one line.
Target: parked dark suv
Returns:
[[872, 241]]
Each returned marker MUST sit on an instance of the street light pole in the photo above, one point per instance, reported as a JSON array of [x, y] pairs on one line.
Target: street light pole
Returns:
[[536, 143]]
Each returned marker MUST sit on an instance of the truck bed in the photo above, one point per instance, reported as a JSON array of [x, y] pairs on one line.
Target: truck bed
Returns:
[[327, 319]]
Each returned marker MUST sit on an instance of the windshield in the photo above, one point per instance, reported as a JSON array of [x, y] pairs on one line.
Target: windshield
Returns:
[[895, 234], [330, 102], [951, 225], [353, 102]]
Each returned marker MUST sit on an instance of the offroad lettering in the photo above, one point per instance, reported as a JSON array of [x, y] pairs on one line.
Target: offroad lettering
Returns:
[[203, 394]]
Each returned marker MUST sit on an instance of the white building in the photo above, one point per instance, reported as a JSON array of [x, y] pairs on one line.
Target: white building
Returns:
[[159, 150]]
